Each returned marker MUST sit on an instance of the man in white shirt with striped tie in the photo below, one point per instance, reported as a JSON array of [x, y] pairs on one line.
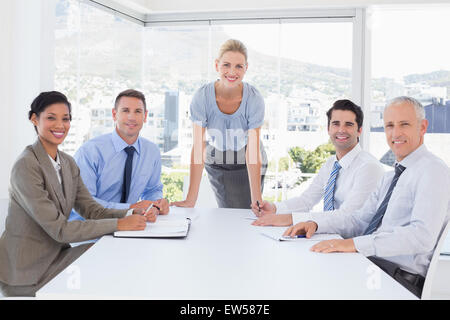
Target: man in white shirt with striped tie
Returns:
[[399, 225], [344, 182]]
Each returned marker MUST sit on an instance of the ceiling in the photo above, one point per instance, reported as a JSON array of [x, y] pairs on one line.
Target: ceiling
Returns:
[[170, 6], [148, 11]]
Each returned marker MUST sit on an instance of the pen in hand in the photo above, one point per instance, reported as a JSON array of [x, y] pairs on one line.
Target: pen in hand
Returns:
[[259, 208], [148, 209], [151, 217], [151, 206]]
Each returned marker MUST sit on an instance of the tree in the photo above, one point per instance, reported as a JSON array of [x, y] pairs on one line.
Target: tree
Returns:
[[311, 161], [173, 185]]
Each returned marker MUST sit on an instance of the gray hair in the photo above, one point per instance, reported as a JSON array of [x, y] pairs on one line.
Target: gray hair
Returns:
[[420, 110]]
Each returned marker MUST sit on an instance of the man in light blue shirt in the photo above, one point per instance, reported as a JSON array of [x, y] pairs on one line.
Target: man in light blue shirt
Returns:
[[399, 225], [120, 169]]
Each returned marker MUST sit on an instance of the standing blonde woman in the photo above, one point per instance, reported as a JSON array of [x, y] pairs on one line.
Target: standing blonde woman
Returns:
[[227, 116]]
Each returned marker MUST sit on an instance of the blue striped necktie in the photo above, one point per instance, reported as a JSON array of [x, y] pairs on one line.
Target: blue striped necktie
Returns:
[[127, 174], [328, 199], [376, 220]]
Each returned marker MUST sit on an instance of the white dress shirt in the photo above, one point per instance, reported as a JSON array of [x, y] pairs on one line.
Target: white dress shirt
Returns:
[[57, 165], [416, 214], [358, 177]]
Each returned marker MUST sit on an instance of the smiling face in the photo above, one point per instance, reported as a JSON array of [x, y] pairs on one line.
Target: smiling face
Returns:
[[343, 131], [129, 116], [231, 67], [404, 130], [52, 125]]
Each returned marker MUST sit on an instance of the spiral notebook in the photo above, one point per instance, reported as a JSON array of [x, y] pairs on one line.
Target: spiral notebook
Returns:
[[174, 228]]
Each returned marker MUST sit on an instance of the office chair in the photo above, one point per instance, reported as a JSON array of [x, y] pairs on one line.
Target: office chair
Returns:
[[429, 279]]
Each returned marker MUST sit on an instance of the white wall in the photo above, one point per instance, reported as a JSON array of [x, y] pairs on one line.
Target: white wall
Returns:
[[26, 69]]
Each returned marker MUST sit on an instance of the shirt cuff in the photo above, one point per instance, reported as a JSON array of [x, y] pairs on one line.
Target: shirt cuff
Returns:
[[281, 208], [365, 245], [323, 224], [129, 213]]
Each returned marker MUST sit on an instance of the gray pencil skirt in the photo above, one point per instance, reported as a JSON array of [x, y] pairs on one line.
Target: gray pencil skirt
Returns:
[[227, 173]]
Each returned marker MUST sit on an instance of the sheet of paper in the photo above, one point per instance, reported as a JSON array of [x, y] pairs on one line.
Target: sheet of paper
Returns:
[[276, 233], [250, 216]]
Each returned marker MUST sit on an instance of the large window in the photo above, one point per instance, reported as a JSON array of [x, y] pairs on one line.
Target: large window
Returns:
[[299, 67], [97, 55], [410, 57]]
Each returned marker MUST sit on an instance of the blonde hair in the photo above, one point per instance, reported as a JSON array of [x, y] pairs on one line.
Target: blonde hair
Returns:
[[233, 45]]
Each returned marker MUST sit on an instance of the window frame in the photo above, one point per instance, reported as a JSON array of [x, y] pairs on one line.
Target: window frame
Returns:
[[361, 44]]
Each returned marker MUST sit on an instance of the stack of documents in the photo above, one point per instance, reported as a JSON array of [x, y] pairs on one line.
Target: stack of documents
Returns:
[[173, 228]]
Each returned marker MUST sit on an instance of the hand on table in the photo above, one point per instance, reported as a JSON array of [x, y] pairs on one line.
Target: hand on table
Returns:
[[303, 228], [185, 203], [274, 220], [327, 246], [336, 245]]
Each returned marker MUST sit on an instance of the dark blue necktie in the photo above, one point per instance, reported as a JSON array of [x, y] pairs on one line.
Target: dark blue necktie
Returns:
[[376, 220], [127, 173]]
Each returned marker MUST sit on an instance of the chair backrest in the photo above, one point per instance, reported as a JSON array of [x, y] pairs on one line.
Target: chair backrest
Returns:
[[206, 197], [3, 213], [429, 279]]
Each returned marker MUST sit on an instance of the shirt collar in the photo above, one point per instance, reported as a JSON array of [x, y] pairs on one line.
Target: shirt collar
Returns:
[[349, 157], [413, 157], [120, 144], [56, 164]]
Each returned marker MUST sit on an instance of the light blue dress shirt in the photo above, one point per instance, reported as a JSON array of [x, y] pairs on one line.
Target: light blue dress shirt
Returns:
[[417, 212], [102, 162], [227, 131]]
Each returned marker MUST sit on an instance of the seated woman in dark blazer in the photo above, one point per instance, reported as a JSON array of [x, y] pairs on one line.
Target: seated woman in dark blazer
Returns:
[[45, 186]]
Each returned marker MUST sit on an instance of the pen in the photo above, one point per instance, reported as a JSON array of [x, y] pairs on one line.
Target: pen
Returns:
[[297, 236], [259, 209], [148, 209]]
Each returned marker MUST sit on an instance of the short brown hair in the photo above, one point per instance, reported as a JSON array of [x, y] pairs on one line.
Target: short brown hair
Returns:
[[133, 94], [347, 105]]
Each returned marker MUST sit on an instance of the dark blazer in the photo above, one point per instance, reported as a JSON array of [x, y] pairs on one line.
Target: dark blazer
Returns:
[[36, 229]]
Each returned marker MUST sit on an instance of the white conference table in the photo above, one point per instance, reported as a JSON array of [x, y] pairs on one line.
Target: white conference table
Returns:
[[223, 257]]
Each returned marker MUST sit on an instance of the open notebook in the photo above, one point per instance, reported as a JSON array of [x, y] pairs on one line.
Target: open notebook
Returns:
[[174, 228]]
